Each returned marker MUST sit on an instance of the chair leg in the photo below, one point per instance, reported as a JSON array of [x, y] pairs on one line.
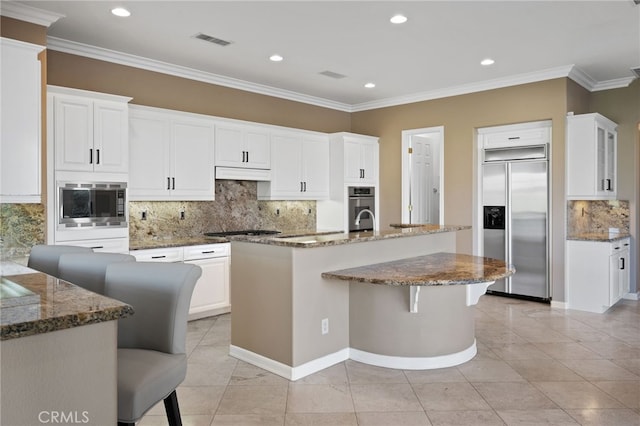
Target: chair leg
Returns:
[[172, 409]]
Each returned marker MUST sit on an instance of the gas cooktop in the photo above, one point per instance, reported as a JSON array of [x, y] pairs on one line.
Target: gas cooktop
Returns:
[[243, 232]]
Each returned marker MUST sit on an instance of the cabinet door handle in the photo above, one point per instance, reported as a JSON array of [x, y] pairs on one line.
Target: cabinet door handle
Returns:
[[96, 247], [301, 187], [158, 257], [622, 263], [90, 156], [208, 252], [247, 156], [609, 185], [173, 181], [305, 186], [514, 138], [168, 182], [97, 156]]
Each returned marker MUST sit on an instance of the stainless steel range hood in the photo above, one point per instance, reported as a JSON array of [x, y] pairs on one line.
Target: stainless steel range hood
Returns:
[[238, 173]]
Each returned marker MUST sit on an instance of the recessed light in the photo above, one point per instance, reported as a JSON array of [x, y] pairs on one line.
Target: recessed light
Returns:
[[276, 58], [487, 61], [370, 85], [121, 11], [398, 19]]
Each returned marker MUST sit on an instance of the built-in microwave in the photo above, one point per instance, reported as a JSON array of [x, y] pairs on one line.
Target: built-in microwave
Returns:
[[92, 204]]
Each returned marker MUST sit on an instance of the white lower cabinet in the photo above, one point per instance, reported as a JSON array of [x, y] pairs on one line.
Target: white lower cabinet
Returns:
[[597, 274], [211, 293]]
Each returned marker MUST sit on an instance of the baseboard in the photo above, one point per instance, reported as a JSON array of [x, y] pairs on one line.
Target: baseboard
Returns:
[[632, 296], [559, 305], [288, 372], [415, 363]]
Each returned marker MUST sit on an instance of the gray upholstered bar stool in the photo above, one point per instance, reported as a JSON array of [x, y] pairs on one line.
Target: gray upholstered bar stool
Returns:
[[87, 270], [152, 358], [44, 258]]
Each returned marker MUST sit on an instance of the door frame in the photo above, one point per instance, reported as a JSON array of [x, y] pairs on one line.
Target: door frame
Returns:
[[406, 161]]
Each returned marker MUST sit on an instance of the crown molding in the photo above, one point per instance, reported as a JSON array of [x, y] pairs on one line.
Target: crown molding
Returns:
[[568, 71], [30, 14], [464, 89], [107, 55], [613, 84]]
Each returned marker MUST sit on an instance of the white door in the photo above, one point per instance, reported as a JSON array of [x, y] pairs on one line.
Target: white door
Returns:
[[421, 175], [315, 161], [111, 146], [193, 168], [73, 134], [285, 176], [149, 175]]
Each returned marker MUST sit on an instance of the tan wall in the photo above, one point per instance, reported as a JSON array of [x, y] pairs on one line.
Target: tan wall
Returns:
[[166, 91], [461, 116], [623, 107]]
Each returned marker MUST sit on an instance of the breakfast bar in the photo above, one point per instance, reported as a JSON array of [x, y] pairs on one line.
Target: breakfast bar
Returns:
[[301, 303], [425, 334], [58, 349]]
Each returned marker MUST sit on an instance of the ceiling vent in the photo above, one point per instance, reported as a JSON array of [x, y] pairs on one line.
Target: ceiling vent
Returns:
[[636, 71], [332, 74], [212, 39]]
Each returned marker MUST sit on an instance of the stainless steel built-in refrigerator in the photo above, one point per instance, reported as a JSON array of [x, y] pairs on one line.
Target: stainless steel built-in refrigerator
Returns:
[[515, 200]]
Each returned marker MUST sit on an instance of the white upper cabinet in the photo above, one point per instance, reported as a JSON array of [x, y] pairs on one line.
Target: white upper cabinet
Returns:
[[360, 157], [90, 131], [21, 115], [244, 146], [172, 155], [591, 157], [300, 168]]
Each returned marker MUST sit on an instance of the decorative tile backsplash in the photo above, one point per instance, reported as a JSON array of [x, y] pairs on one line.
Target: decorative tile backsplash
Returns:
[[235, 207], [594, 216], [21, 227]]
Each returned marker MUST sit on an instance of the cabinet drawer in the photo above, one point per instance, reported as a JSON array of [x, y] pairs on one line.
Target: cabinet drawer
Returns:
[[115, 245], [206, 251], [158, 255]]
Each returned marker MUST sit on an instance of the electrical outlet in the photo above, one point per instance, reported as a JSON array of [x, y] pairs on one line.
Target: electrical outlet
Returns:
[[182, 215], [143, 215], [277, 212], [324, 324]]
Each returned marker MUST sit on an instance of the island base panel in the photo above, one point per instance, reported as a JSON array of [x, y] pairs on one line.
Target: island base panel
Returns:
[[381, 324]]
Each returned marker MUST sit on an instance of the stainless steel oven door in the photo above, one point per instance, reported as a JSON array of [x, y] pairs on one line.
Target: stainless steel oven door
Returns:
[[356, 205]]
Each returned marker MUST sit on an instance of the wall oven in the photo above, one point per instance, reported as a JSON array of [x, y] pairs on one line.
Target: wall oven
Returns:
[[92, 204], [361, 198]]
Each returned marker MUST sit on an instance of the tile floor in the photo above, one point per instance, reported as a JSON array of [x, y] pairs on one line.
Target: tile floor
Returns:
[[535, 366]]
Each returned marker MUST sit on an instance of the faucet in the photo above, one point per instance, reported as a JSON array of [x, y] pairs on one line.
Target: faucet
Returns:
[[373, 218]]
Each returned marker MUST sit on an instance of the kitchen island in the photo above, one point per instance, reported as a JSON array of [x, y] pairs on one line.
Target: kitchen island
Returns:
[[289, 319], [58, 350]]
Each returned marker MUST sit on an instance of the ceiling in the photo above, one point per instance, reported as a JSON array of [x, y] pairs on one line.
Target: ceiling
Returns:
[[436, 53]]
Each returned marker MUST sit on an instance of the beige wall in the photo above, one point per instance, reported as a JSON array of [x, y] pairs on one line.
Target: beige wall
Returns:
[[166, 91], [461, 116]]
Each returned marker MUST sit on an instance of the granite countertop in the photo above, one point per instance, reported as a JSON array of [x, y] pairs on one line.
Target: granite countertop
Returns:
[[323, 239], [35, 303], [430, 270], [599, 236], [157, 243]]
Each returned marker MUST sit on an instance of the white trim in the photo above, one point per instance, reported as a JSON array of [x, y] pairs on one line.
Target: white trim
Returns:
[[67, 91], [559, 305], [36, 48], [126, 59], [415, 363], [283, 370], [631, 296], [569, 71], [29, 14]]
